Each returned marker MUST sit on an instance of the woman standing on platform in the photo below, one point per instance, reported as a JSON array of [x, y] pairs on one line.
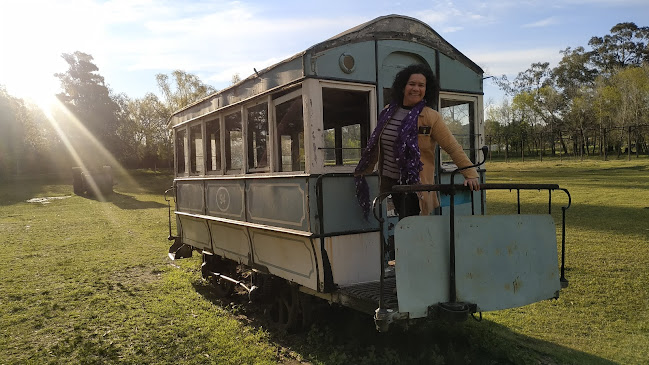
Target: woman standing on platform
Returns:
[[404, 142]]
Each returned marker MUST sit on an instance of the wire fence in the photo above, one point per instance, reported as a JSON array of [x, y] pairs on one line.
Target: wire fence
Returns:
[[629, 141]]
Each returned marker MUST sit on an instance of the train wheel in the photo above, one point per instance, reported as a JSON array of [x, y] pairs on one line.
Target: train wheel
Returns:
[[284, 310]]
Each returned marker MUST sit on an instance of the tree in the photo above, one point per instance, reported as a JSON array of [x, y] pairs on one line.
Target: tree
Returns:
[[235, 79], [633, 107], [625, 46], [501, 116], [87, 97], [27, 142], [148, 120], [11, 138], [183, 89]]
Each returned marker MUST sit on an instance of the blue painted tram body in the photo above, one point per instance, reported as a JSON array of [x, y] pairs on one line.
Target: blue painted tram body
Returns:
[[264, 181]]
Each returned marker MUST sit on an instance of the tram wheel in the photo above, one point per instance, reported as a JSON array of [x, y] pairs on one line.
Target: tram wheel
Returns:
[[284, 310]]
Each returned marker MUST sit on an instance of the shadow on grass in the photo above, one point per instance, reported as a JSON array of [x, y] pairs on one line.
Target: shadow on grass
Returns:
[[146, 182], [344, 336], [124, 201], [21, 189]]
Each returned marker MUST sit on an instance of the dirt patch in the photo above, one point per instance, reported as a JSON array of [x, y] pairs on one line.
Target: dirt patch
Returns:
[[47, 200], [136, 276]]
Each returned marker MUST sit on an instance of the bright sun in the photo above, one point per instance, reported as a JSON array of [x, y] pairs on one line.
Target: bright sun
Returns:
[[32, 43], [30, 82]]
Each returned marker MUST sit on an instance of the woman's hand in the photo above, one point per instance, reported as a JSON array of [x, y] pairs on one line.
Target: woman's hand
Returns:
[[473, 184]]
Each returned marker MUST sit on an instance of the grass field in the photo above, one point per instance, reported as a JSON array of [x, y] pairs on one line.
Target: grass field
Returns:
[[89, 282]]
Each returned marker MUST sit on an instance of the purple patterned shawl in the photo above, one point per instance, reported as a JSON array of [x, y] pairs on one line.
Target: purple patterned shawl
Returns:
[[406, 149]]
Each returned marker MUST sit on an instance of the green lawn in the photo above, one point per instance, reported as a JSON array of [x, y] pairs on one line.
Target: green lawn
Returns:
[[85, 281]]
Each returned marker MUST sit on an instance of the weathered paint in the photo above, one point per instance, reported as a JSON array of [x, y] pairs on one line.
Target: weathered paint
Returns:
[[230, 241], [501, 261], [422, 263], [518, 261], [280, 202], [354, 258], [195, 232], [288, 256]]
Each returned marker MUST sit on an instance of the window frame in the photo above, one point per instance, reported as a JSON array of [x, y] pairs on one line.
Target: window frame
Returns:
[[185, 151], [475, 131], [272, 147], [269, 138], [318, 164], [221, 149], [189, 148], [225, 114], [276, 162]]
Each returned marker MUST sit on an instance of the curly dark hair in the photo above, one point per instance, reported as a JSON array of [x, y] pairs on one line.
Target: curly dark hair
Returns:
[[402, 77]]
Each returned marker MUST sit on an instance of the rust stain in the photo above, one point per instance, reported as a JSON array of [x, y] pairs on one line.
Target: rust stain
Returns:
[[517, 285], [511, 248], [479, 251]]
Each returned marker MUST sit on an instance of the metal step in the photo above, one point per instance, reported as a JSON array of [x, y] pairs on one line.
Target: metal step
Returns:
[[365, 296]]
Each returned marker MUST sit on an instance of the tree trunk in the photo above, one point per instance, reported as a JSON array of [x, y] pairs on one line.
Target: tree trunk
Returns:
[[605, 145], [628, 142]]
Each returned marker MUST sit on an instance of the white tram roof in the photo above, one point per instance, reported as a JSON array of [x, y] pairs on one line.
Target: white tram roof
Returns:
[[321, 61]]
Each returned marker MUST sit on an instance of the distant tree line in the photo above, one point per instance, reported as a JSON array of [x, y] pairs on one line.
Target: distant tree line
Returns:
[[594, 102], [91, 125]]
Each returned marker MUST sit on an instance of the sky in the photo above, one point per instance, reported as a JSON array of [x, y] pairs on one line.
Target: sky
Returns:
[[133, 40]]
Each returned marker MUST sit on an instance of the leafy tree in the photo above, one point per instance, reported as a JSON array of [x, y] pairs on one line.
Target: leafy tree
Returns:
[[181, 89], [633, 106], [11, 138], [87, 97], [574, 71], [625, 46], [502, 116], [27, 142]]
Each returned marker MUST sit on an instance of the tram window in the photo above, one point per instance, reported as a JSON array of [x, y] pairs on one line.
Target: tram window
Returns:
[[196, 160], [213, 144], [346, 118], [180, 151], [233, 142], [290, 135], [459, 116], [258, 137]]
